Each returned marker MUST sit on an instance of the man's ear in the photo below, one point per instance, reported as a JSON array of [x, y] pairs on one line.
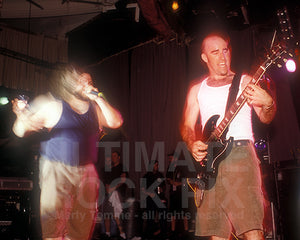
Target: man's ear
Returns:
[[204, 57]]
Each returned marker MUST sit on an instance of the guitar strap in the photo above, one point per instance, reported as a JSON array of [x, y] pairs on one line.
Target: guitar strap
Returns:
[[233, 91]]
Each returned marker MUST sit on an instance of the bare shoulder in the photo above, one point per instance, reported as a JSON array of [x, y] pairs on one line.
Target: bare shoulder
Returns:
[[194, 87], [52, 101], [48, 108], [191, 108], [44, 100]]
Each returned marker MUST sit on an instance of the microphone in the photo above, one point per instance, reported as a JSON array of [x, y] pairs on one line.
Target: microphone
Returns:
[[95, 93], [99, 94], [23, 102]]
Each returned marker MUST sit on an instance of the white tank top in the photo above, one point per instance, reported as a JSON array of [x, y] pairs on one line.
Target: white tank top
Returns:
[[212, 101]]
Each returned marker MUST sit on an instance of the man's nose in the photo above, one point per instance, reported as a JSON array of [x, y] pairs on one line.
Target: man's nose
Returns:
[[222, 56]]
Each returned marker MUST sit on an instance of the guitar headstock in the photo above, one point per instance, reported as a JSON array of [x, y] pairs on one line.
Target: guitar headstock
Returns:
[[286, 30], [277, 55], [286, 35], [280, 52]]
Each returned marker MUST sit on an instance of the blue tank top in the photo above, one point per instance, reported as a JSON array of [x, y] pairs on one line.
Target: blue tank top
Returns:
[[73, 140]]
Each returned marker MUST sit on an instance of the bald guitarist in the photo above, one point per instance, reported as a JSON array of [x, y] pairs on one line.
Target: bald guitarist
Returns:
[[234, 205]]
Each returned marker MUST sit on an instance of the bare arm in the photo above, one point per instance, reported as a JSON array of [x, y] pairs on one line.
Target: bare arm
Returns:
[[265, 107], [187, 130], [263, 103], [42, 113], [24, 123], [108, 116]]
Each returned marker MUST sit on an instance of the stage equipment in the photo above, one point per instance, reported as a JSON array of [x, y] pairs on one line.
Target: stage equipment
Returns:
[[269, 188], [15, 208], [175, 6], [35, 4], [290, 65], [154, 16], [4, 101], [133, 219], [18, 184], [287, 34]]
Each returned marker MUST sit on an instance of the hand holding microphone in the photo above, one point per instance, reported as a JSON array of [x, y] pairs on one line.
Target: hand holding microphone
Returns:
[[20, 104], [99, 94], [90, 91], [93, 93]]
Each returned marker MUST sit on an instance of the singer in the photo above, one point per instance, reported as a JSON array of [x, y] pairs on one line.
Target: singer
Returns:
[[73, 115]]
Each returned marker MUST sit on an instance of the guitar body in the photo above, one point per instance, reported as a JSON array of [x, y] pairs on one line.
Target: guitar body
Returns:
[[217, 151], [207, 169]]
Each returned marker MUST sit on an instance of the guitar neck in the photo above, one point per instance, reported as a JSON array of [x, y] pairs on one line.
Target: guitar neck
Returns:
[[236, 106]]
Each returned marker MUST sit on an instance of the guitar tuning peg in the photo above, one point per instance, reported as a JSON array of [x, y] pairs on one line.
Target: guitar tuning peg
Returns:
[[285, 60], [279, 65], [291, 55]]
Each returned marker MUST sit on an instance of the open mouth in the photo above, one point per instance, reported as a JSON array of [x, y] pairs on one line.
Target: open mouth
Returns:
[[222, 65]]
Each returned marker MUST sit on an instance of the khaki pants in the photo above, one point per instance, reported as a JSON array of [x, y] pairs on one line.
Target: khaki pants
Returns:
[[68, 199], [235, 203]]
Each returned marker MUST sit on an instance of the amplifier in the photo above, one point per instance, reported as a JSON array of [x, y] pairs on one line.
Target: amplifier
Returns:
[[15, 208], [16, 184], [5, 223]]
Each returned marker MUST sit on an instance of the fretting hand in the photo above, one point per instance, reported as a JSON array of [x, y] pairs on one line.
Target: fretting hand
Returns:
[[257, 96]]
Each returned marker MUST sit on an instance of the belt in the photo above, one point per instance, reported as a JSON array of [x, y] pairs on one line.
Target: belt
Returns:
[[238, 143]]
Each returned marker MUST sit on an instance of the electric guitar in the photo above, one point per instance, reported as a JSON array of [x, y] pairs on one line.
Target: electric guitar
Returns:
[[218, 149]]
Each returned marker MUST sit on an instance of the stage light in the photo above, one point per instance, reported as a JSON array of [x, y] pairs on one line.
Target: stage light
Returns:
[[175, 6], [290, 65], [3, 101], [261, 145]]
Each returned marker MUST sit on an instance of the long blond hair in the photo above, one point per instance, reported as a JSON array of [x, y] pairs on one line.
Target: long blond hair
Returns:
[[64, 81]]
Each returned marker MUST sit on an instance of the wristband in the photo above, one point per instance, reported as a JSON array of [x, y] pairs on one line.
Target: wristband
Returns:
[[269, 107]]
